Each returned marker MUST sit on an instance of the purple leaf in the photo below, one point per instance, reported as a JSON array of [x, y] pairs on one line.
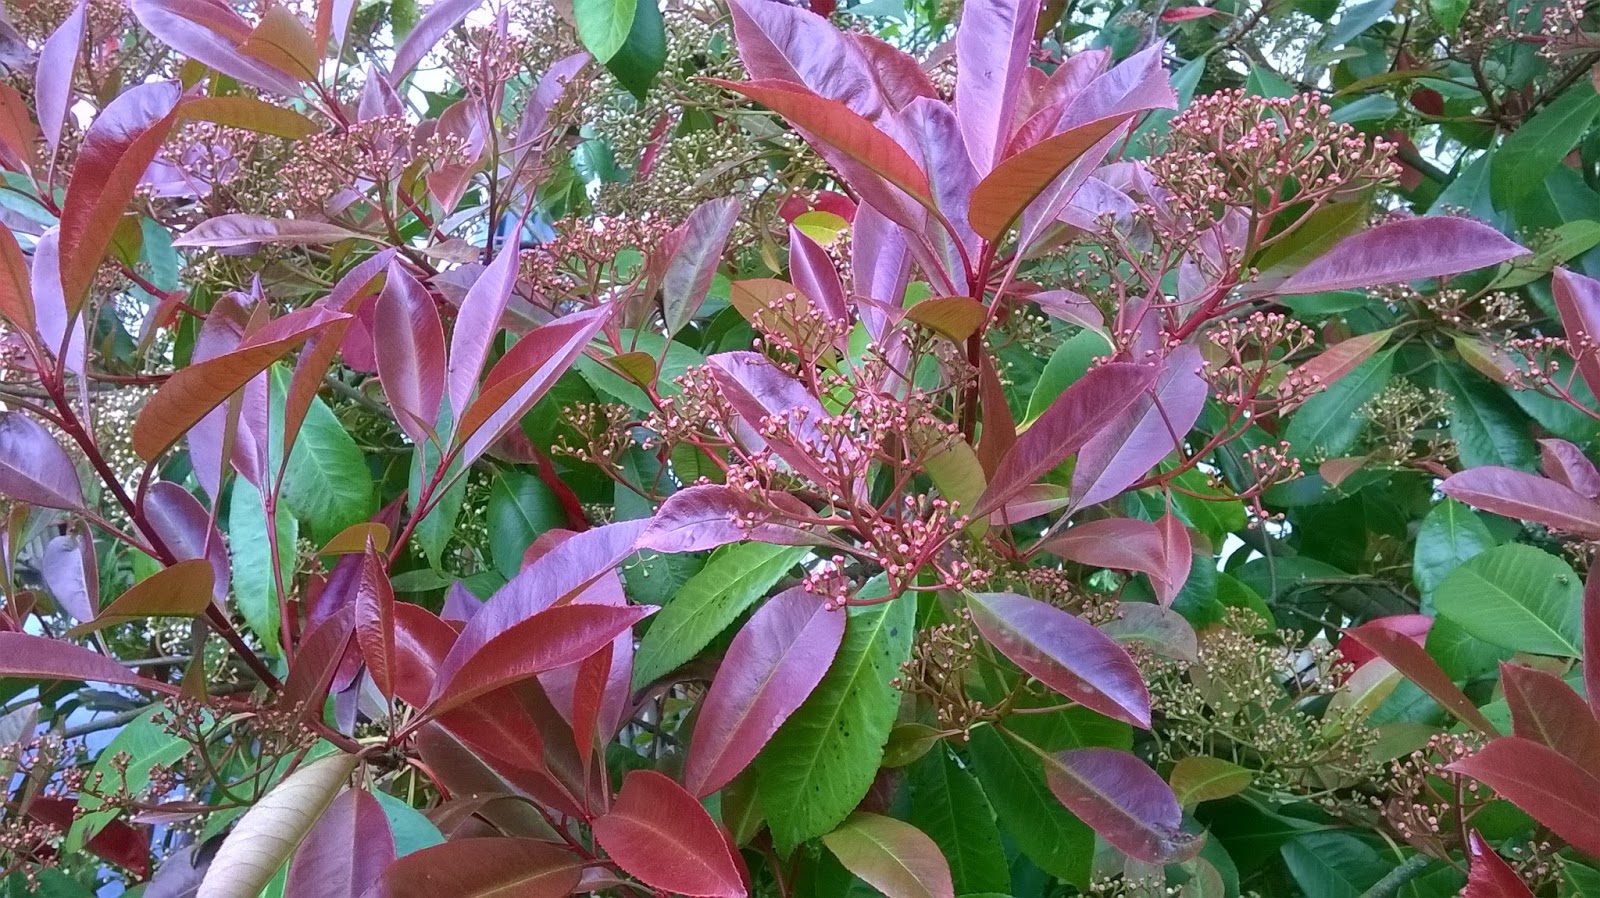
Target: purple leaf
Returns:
[[562, 685], [1137, 84], [551, 86], [1064, 653], [1528, 497], [881, 263], [559, 573], [58, 61], [1400, 251], [758, 390], [34, 469], [412, 368], [71, 575], [695, 249], [1567, 465], [30, 657], [1149, 431], [209, 439], [210, 32], [1056, 166], [346, 850], [188, 531], [952, 177], [778, 42], [711, 515], [1123, 800], [238, 229], [1578, 302], [50, 306], [477, 323], [1161, 630], [993, 45], [347, 296], [814, 276], [770, 668], [378, 98], [1081, 412], [375, 620], [1591, 640], [1161, 551], [428, 33]]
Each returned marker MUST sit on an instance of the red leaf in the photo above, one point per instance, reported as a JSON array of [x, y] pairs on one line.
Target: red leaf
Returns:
[[1151, 429], [34, 469], [1567, 465], [126, 846], [18, 133], [1547, 784], [16, 291], [1415, 663], [1546, 710], [770, 668], [1187, 14], [210, 32], [993, 47], [1578, 302], [344, 853], [1124, 801], [1591, 641], [694, 249], [841, 128], [30, 657], [421, 642], [117, 148], [183, 590], [892, 856], [816, 277], [316, 660], [347, 296], [188, 531], [659, 833], [1414, 627], [555, 637], [1335, 362], [1519, 495], [1000, 198], [412, 371], [58, 62], [477, 324], [375, 620], [483, 868], [711, 515], [1405, 250], [1162, 550], [1064, 653], [190, 393], [1488, 875], [1080, 413]]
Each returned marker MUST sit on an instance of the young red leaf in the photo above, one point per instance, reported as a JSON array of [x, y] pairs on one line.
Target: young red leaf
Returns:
[[122, 844], [993, 47], [658, 832], [188, 531], [421, 642], [1000, 198], [1414, 627], [1125, 801], [892, 856], [1161, 551], [1187, 13], [555, 637], [183, 590], [1336, 361], [1578, 302], [1151, 429], [29, 657], [1591, 641], [1488, 875], [787, 44], [694, 250], [1405, 250], [711, 515], [190, 393], [1546, 710], [770, 668], [477, 324], [117, 148], [375, 620], [71, 574], [816, 277], [1416, 664], [34, 469], [757, 390], [1081, 412], [427, 34], [1064, 653], [18, 134], [210, 32], [552, 85], [483, 868], [317, 660], [413, 370], [344, 853], [58, 64], [1567, 465], [238, 229], [1516, 494], [1552, 788], [16, 293]]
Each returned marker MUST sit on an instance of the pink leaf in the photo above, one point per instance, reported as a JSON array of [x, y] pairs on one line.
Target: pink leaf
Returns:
[[758, 390], [1064, 653], [477, 324], [210, 32], [427, 34], [375, 620], [892, 856], [30, 657], [694, 249], [993, 47], [1488, 875], [1125, 801], [1187, 14], [657, 832], [782, 43], [1516, 494], [1405, 250], [1335, 362], [34, 469], [345, 852], [1156, 424], [58, 62], [412, 367], [1578, 302], [71, 575], [771, 666], [711, 515], [1567, 465], [1543, 782], [815, 276], [1160, 550]]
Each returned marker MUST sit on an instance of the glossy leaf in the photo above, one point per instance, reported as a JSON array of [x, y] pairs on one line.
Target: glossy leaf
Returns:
[[273, 828], [212, 33], [1000, 198], [58, 64], [1125, 801], [946, 802], [345, 852], [1567, 465], [1520, 164], [1064, 653], [770, 668], [892, 856], [1160, 550], [1552, 788], [183, 590], [426, 34], [1140, 437], [1414, 662], [657, 832], [992, 52], [1577, 300], [1517, 597], [1488, 875], [250, 230], [483, 868], [1405, 250], [375, 620], [34, 469], [1204, 778], [711, 515], [29, 657], [696, 250], [413, 376], [1517, 494], [1546, 710]]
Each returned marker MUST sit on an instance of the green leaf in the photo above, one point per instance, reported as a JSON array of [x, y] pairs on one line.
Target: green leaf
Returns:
[[255, 589], [434, 533], [1520, 164], [642, 55], [603, 25], [729, 583], [147, 745], [1449, 535], [1333, 865], [46, 883], [327, 483], [1263, 83], [1516, 597], [520, 508], [1462, 656], [413, 831], [1206, 778], [823, 760], [1013, 778], [947, 803], [1486, 425], [1358, 18], [1329, 423], [1068, 363], [1448, 13]]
